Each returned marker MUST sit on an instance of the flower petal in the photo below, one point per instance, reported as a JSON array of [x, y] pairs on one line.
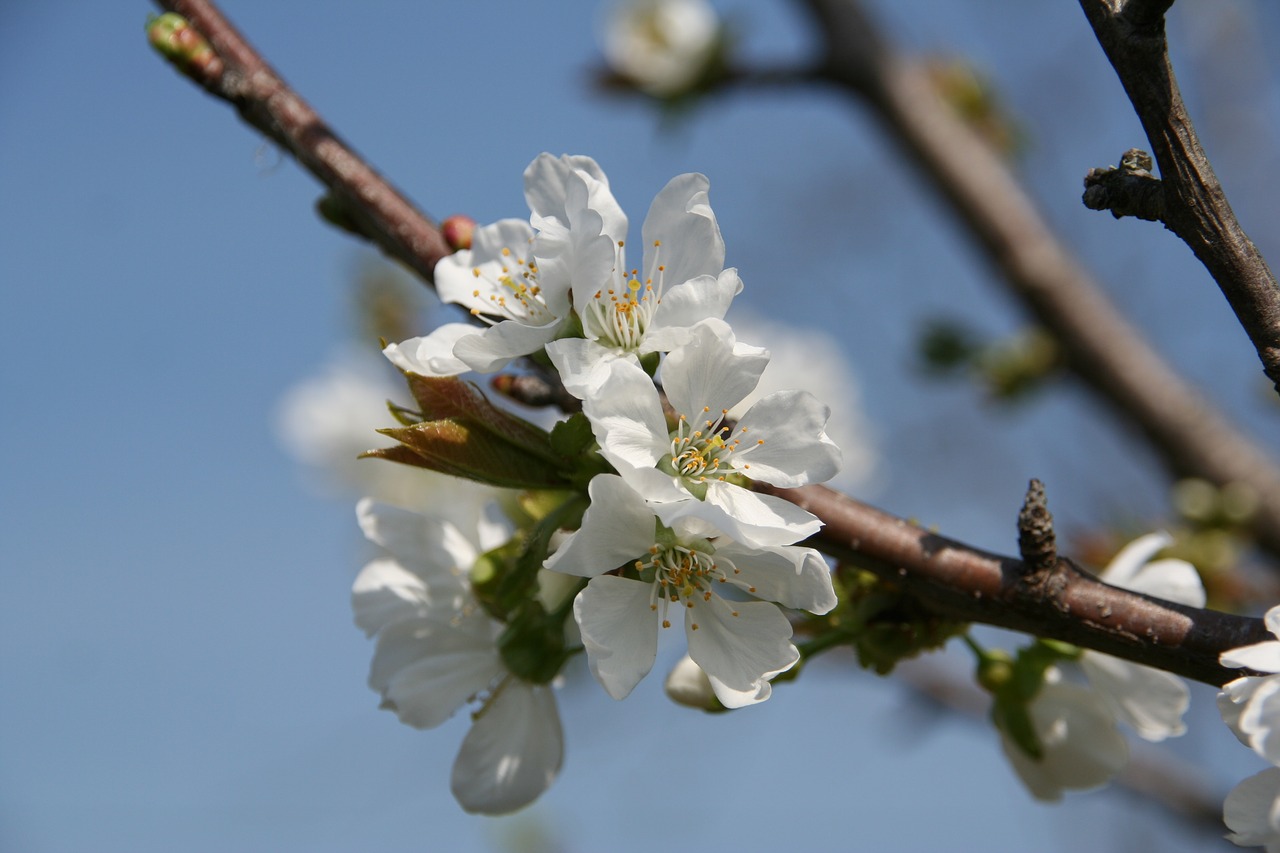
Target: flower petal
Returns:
[[385, 593], [680, 231], [432, 355], [626, 417], [431, 548], [687, 304], [784, 441], [617, 528], [583, 365], [1126, 564], [753, 519], [1264, 657], [1250, 811], [1149, 700], [495, 346], [794, 577], [426, 669], [513, 751], [739, 644], [712, 371], [619, 631]]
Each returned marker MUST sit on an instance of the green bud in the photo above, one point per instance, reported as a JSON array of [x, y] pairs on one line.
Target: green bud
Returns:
[[176, 40]]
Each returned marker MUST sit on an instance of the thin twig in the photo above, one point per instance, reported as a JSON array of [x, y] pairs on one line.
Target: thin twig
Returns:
[[1195, 207]]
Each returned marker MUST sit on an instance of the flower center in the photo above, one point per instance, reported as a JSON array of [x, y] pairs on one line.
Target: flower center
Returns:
[[619, 315], [681, 573], [514, 294], [699, 453]]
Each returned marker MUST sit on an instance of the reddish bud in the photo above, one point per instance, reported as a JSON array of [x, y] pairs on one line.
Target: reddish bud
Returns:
[[458, 230]]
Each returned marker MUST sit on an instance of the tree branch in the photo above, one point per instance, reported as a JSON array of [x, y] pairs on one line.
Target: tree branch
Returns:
[[1195, 206], [359, 200], [1098, 345], [1066, 603]]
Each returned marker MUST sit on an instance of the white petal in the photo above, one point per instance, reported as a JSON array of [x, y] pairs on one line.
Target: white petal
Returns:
[[1259, 720], [681, 220], [626, 417], [1149, 700], [1264, 657], [426, 669], [1082, 747], [1272, 620], [495, 346], [687, 304], [1132, 557], [1250, 811], [731, 698], [431, 548], [739, 644], [619, 631], [1172, 580], [617, 529], [583, 365], [496, 252], [546, 189], [432, 355], [753, 519], [794, 577], [711, 370], [513, 751], [385, 593], [784, 441]]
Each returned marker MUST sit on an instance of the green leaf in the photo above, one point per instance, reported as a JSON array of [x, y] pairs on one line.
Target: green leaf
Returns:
[[464, 450]]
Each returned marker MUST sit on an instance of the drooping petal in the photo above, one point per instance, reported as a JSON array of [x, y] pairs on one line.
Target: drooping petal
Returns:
[[680, 231], [626, 417], [431, 548], [712, 371], [1081, 745], [617, 529], [513, 751], [739, 644], [426, 669], [1259, 721], [785, 442], [1252, 811], [619, 631], [432, 355], [794, 577], [688, 303], [1149, 700], [731, 698]]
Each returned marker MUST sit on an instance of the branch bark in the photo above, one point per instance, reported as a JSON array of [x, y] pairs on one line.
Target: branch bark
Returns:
[[359, 200], [1099, 346], [1195, 207], [1065, 603]]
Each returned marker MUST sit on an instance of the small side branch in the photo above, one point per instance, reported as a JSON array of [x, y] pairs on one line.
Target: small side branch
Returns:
[[1069, 604], [358, 200], [1127, 190], [1194, 205]]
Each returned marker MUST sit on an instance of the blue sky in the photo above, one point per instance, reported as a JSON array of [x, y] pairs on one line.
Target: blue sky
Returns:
[[178, 666]]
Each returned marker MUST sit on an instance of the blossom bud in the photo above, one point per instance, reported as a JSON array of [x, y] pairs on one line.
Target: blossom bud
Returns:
[[180, 43], [688, 685], [458, 230]]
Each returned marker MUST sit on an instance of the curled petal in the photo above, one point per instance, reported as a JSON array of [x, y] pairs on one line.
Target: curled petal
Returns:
[[711, 371], [686, 305], [432, 355], [1149, 700], [680, 231], [513, 751]]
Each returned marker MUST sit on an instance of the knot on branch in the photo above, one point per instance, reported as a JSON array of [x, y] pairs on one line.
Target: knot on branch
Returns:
[[1127, 190], [1037, 544]]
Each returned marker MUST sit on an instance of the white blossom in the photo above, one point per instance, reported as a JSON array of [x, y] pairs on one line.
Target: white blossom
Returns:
[[662, 46], [1150, 700], [690, 471], [436, 652], [690, 567], [1081, 747]]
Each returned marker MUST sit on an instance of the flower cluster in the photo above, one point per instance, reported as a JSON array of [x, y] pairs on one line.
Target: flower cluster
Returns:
[[642, 504]]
